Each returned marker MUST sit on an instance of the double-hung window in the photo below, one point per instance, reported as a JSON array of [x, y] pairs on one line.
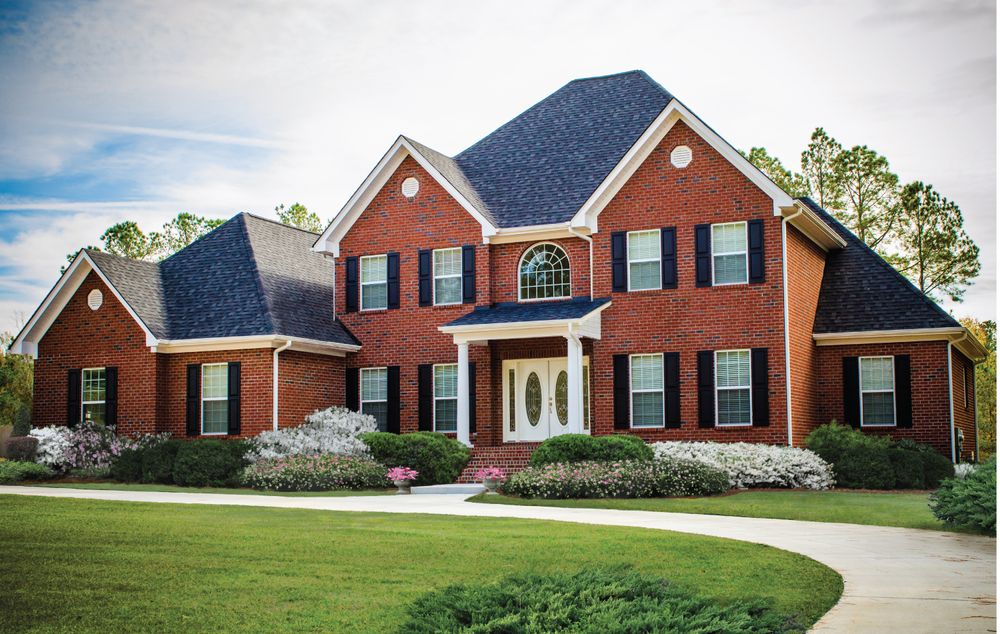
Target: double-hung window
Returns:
[[729, 253], [644, 260], [446, 397], [878, 398], [215, 398], [374, 282], [94, 392], [447, 276], [732, 387], [375, 395], [646, 378]]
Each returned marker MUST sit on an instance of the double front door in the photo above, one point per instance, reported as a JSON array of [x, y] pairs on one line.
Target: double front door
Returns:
[[536, 399]]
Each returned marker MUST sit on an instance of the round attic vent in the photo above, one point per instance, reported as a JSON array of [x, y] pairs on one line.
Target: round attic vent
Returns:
[[94, 299], [681, 156], [410, 187]]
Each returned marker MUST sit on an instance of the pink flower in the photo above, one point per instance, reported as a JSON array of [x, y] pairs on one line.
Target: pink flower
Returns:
[[402, 473]]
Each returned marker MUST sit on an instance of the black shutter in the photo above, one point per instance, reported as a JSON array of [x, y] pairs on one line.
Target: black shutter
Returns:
[[621, 390], [193, 426], [852, 392], [425, 397], [234, 399], [904, 391], [110, 396], [392, 280], [755, 249], [619, 279], [706, 388], [352, 386], [351, 285], [392, 395], [469, 274], [703, 255], [73, 398], [672, 389], [472, 398], [668, 257], [424, 277], [761, 415]]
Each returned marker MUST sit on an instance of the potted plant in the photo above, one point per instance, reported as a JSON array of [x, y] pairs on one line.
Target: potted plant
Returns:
[[491, 477], [402, 477]]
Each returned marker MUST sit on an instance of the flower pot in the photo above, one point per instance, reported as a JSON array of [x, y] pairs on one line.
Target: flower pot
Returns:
[[402, 487], [491, 485]]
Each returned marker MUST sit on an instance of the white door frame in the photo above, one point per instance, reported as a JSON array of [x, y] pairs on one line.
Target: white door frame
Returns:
[[522, 431]]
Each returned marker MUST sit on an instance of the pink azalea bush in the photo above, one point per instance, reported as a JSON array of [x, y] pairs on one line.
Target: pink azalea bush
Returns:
[[88, 449], [490, 473], [402, 473], [622, 479], [315, 472]]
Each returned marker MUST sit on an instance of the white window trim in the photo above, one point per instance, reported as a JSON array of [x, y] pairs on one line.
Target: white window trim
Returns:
[[745, 252], [631, 391], [862, 391], [214, 398], [361, 391], [517, 275], [435, 277], [629, 261], [443, 398], [748, 388], [362, 283], [83, 403]]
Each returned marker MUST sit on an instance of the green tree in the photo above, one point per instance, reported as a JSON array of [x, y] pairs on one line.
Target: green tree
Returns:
[[934, 250], [129, 241], [297, 215], [793, 183], [16, 377], [185, 229], [870, 194], [818, 170], [986, 385]]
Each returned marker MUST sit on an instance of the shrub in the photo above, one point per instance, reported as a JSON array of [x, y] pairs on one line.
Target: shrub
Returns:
[[630, 479], [970, 502], [157, 462], [210, 463], [964, 470], [439, 459], [936, 467], [908, 468], [22, 448], [754, 465], [92, 448], [335, 430], [611, 600], [12, 471], [866, 467], [22, 421], [53, 442], [127, 467], [327, 472], [583, 448]]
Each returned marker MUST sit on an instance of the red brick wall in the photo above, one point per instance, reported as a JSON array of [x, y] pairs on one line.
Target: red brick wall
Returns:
[[507, 257], [965, 404], [306, 383]]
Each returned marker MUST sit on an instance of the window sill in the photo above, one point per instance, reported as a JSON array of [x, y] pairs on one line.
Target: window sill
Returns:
[[732, 425], [878, 426]]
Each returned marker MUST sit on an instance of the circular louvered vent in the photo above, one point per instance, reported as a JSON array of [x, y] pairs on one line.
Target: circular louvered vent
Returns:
[[94, 299], [410, 187], [681, 156]]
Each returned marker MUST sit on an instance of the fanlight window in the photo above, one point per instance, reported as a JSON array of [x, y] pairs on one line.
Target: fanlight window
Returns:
[[544, 273]]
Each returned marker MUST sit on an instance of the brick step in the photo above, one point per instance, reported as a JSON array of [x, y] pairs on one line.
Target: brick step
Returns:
[[511, 458]]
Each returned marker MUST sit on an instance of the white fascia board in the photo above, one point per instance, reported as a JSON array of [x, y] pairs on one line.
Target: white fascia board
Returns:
[[178, 346], [588, 325], [812, 226], [329, 241]]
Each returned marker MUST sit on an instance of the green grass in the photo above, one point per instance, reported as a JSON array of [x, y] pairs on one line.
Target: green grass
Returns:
[[171, 488], [94, 565], [906, 510]]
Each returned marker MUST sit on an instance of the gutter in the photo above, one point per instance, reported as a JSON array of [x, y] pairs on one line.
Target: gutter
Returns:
[[590, 242], [784, 290], [274, 384]]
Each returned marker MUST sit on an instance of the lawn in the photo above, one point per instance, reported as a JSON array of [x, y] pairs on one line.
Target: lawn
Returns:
[[172, 488], [88, 565], [906, 510]]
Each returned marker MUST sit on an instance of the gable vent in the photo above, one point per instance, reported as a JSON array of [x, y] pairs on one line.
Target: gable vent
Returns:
[[680, 156], [410, 187], [94, 299]]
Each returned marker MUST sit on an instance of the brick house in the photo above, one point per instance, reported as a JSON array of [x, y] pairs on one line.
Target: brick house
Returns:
[[603, 263]]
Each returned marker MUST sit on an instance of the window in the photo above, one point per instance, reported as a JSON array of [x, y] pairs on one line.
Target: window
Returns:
[[374, 283], [729, 253], [446, 397], [92, 381], [878, 400], [732, 387], [643, 260], [447, 276], [374, 395], [544, 273], [646, 378], [215, 398]]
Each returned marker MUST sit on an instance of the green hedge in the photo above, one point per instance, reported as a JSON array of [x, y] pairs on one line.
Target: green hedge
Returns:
[[217, 463], [12, 471], [670, 477], [583, 448], [436, 458], [971, 502]]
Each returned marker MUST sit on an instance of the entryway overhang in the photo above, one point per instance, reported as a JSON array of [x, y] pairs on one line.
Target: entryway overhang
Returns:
[[578, 317]]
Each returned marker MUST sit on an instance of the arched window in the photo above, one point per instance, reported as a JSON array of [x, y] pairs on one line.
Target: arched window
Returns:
[[544, 273]]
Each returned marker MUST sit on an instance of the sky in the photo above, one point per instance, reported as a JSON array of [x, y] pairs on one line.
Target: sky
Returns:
[[115, 110]]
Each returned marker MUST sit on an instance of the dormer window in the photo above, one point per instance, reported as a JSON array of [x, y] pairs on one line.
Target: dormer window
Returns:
[[544, 273]]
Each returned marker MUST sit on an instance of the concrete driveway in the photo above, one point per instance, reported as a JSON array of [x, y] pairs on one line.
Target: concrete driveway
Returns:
[[895, 579]]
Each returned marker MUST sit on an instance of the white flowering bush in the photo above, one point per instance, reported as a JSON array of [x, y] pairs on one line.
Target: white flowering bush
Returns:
[[962, 469], [751, 465], [53, 443], [336, 430], [624, 479], [315, 473]]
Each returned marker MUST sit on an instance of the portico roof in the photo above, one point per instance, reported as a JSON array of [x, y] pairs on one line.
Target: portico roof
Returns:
[[512, 320]]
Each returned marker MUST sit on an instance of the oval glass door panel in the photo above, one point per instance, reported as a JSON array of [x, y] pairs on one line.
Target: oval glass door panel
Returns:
[[533, 398], [562, 392]]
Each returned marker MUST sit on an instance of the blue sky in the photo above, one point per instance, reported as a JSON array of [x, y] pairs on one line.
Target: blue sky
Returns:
[[113, 110]]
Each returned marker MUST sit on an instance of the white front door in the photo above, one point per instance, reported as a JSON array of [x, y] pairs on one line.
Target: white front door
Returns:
[[532, 400], [535, 400], [558, 401]]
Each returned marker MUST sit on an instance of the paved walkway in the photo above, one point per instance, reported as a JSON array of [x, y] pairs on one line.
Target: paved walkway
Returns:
[[896, 579]]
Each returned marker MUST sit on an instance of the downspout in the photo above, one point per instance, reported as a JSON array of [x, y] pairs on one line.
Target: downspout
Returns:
[[788, 352], [951, 394], [590, 242], [274, 384]]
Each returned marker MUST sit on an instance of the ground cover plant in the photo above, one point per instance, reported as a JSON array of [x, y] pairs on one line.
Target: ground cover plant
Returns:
[[437, 458], [628, 479], [969, 502], [327, 472], [751, 465], [586, 448]]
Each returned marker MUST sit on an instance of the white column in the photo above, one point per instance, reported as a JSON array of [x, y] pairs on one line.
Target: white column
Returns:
[[574, 384], [463, 394]]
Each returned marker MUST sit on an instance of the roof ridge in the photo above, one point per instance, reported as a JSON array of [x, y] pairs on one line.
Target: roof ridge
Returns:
[[255, 271], [92, 251], [635, 71], [278, 222]]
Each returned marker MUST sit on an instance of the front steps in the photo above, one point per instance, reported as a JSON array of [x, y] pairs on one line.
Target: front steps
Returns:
[[511, 457]]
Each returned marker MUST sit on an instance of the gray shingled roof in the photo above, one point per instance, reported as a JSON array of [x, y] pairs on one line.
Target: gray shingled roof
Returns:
[[512, 313], [250, 276], [862, 292]]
